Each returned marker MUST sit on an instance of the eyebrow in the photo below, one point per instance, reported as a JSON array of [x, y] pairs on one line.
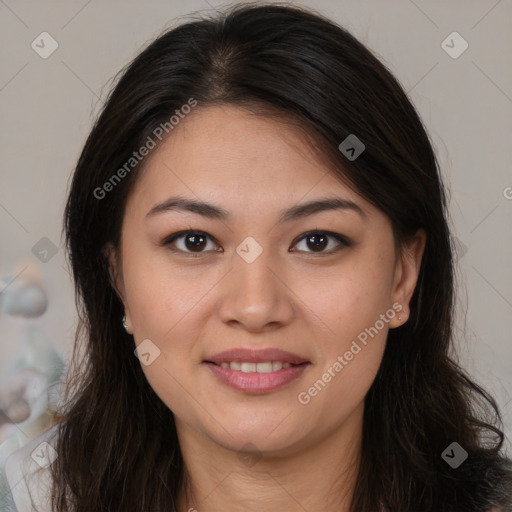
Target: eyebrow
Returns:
[[212, 211]]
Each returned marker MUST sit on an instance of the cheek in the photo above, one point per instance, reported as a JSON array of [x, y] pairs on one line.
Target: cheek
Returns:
[[350, 356], [350, 299], [162, 295], [351, 304], [334, 394], [164, 305]]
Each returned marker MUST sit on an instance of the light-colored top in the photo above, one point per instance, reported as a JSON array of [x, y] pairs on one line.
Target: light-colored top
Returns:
[[27, 475]]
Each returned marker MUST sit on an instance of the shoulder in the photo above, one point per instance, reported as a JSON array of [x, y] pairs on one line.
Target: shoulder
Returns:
[[28, 475]]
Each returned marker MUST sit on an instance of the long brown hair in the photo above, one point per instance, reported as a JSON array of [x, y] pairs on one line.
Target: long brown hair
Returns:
[[117, 446]]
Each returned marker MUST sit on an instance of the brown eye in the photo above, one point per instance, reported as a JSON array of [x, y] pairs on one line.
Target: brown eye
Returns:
[[317, 241], [196, 242], [189, 242]]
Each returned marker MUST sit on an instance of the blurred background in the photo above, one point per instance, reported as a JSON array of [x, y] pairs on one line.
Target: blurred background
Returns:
[[58, 58]]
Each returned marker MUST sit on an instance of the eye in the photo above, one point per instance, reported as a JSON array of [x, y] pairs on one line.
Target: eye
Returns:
[[189, 242], [319, 240], [195, 243]]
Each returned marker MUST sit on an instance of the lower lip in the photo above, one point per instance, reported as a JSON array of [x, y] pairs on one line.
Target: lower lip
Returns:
[[256, 382]]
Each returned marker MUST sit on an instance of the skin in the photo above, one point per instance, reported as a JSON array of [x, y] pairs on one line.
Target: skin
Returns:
[[305, 301]]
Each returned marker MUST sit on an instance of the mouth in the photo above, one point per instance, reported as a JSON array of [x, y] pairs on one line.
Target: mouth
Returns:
[[256, 371], [256, 378], [256, 367]]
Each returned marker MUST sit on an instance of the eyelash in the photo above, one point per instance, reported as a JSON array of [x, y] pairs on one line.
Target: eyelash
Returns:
[[344, 241]]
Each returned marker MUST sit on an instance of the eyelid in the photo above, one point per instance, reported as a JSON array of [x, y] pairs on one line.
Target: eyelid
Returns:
[[342, 239]]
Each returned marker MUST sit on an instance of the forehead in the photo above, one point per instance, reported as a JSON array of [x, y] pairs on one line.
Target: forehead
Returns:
[[228, 154], [216, 136]]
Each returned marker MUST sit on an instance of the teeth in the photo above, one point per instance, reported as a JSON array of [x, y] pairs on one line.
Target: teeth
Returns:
[[263, 367], [248, 367]]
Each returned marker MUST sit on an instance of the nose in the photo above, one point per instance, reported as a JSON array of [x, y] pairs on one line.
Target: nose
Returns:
[[255, 296]]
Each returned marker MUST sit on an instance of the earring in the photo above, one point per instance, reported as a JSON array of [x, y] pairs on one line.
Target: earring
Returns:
[[125, 325], [399, 319]]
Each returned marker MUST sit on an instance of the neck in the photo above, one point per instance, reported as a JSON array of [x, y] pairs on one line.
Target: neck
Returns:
[[319, 475]]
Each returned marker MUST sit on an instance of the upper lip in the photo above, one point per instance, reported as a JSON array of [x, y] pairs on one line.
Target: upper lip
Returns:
[[256, 356]]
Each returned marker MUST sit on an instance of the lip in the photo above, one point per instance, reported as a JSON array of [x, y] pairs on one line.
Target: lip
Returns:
[[256, 383], [255, 356]]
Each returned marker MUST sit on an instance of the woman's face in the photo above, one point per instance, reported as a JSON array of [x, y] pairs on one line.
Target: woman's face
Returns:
[[253, 280]]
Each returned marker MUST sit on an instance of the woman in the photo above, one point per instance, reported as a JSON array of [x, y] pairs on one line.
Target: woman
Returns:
[[258, 234]]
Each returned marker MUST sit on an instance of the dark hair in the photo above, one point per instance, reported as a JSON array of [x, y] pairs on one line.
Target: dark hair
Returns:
[[117, 445]]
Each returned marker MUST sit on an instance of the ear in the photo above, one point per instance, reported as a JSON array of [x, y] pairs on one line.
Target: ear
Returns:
[[116, 277], [407, 270]]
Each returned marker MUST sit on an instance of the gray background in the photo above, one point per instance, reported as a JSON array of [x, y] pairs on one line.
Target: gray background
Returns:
[[48, 105]]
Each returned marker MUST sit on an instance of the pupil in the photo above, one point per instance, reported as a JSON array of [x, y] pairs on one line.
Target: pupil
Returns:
[[198, 241], [319, 245]]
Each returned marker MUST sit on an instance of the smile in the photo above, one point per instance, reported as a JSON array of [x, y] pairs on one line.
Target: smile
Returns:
[[248, 367], [256, 378]]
